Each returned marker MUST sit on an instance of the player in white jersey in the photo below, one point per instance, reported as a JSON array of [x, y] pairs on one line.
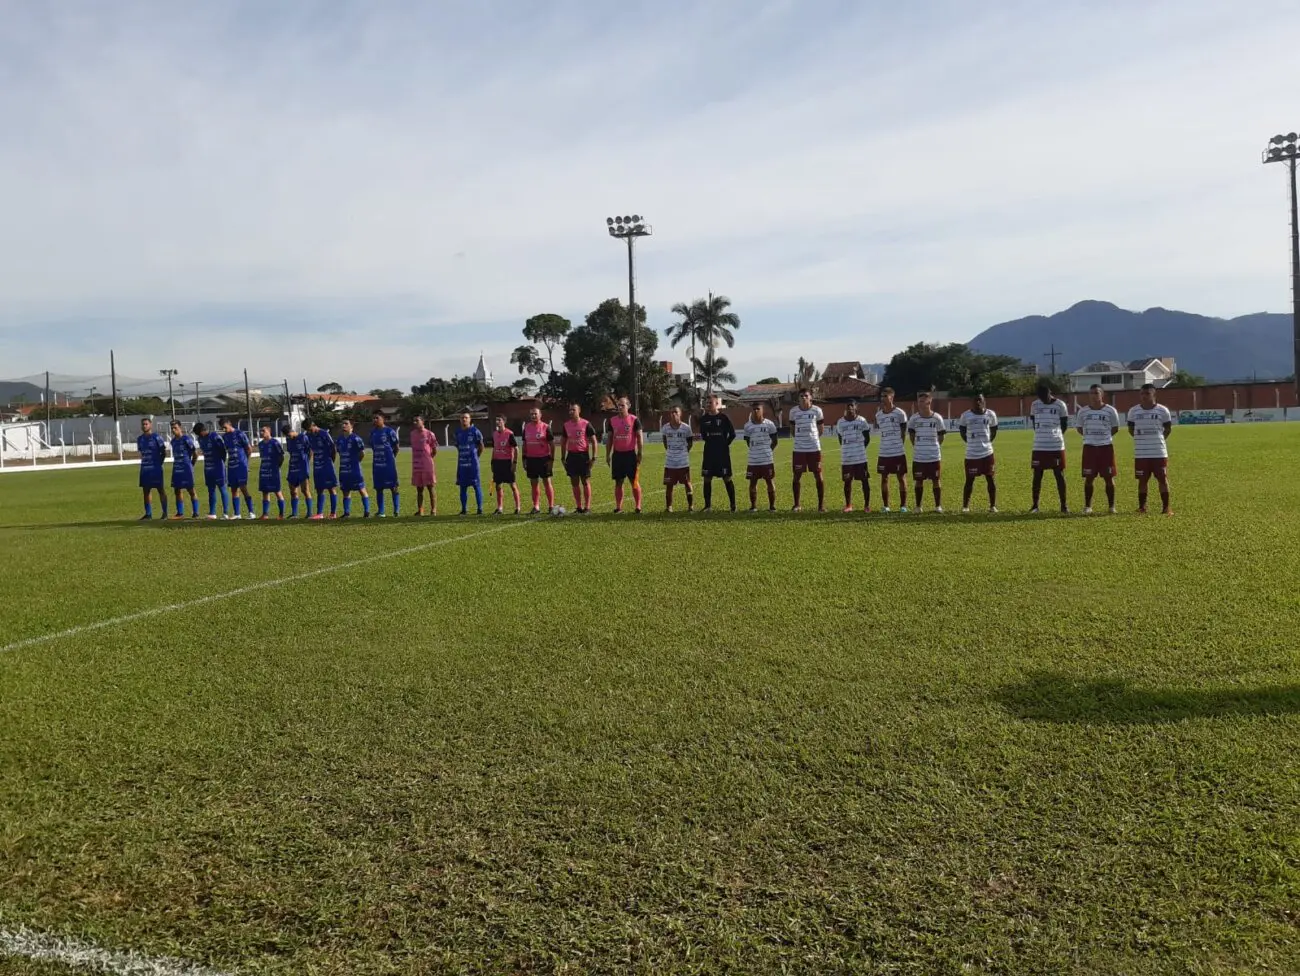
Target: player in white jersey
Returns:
[[979, 429], [678, 439], [1151, 423], [926, 430], [806, 422], [1049, 417], [891, 421], [760, 435], [854, 433], [1098, 422]]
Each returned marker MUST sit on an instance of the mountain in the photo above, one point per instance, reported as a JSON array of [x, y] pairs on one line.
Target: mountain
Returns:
[[1218, 349], [17, 392]]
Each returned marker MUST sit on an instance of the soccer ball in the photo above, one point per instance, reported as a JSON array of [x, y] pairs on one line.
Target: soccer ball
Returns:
[[559, 511]]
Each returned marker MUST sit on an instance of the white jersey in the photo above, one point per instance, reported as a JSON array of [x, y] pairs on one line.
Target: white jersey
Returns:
[[979, 429], [1096, 424], [1046, 419], [927, 431], [1149, 430], [759, 437], [677, 440], [891, 424], [807, 435], [853, 435]]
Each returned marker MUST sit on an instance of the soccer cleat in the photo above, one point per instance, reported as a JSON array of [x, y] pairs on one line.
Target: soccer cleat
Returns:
[[1113, 511], [266, 518], [366, 515], [617, 511], [145, 518], [1034, 510], [178, 517], [1087, 510], [463, 513], [1142, 509], [316, 518], [383, 515], [902, 509], [797, 508], [499, 511], [668, 509], [965, 510], [752, 509], [848, 508], [886, 509], [993, 510], [938, 509], [1167, 511], [535, 511]]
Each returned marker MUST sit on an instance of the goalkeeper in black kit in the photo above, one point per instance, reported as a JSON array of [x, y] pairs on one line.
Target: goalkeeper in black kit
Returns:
[[717, 433]]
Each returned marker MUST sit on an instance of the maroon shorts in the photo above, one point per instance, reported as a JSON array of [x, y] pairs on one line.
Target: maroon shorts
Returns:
[[849, 472], [925, 470], [677, 476], [760, 472], [975, 467], [892, 465], [1048, 460], [1098, 459], [807, 461], [1149, 466]]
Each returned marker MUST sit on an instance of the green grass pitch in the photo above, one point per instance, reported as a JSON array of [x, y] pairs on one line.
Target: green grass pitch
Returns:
[[752, 744]]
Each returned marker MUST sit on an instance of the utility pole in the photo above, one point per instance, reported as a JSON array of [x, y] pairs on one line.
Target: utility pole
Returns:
[[171, 400], [47, 406], [196, 401], [248, 405], [1052, 356], [1286, 149]]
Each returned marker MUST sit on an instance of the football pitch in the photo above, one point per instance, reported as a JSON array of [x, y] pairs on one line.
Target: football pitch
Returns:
[[930, 744]]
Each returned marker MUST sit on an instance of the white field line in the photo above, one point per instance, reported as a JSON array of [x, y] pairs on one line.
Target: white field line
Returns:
[[253, 588], [22, 943]]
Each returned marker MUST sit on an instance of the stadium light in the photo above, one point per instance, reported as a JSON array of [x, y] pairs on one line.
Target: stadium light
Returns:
[[1286, 149], [171, 400], [629, 228]]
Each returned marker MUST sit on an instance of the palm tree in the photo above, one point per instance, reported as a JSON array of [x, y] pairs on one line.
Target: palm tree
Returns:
[[808, 374], [707, 322], [687, 328], [714, 370]]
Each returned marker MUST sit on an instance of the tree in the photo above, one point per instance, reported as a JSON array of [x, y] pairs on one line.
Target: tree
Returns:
[[387, 393], [714, 371], [524, 387], [325, 413], [687, 330], [1186, 380], [956, 368], [529, 360], [596, 362], [806, 374], [766, 380], [330, 387], [549, 331]]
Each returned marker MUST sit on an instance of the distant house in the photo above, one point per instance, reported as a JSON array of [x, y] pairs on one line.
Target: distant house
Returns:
[[1115, 376], [768, 393], [343, 401]]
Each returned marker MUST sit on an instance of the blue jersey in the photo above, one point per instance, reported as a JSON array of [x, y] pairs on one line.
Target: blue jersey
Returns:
[[237, 446], [271, 451], [383, 447], [152, 450], [298, 449], [469, 441], [214, 458], [184, 450], [322, 449], [351, 449]]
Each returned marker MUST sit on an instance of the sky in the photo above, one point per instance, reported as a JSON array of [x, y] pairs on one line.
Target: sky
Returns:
[[376, 193]]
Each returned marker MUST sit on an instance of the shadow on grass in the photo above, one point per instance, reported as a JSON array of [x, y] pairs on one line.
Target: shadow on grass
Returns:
[[1048, 697]]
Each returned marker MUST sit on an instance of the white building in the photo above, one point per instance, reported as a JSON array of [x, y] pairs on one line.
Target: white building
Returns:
[[1114, 376], [482, 375]]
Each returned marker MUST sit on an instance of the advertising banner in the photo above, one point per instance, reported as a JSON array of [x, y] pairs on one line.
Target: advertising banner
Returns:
[[1258, 415], [1202, 417], [1013, 423]]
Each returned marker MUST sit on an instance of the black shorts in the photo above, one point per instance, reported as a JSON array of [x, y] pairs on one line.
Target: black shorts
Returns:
[[716, 467], [503, 472], [623, 465], [537, 467], [577, 464]]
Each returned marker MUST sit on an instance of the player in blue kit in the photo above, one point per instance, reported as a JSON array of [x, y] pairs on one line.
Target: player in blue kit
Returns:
[[153, 449], [297, 446], [323, 475], [352, 449], [469, 447], [271, 452], [214, 469], [384, 446], [238, 451], [185, 450]]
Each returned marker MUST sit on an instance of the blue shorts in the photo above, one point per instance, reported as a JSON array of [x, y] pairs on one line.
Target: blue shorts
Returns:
[[467, 477], [151, 479], [325, 478], [352, 480], [237, 477], [214, 478], [297, 478], [182, 478], [385, 476], [268, 481]]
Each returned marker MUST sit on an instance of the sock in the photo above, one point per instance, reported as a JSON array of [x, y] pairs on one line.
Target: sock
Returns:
[[866, 494], [280, 502], [163, 500], [334, 504], [848, 493], [1164, 500], [1142, 498], [266, 506], [1060, 490], [397, 502], [1110, 493], [514, 490], [478, 497], [194, 506], [618, 495], [821, 494], [306, 502], [993, 494], [293, 508], [798, 490], [708, 492], [347, 505], [148, 509], [236, 501], [550, 495], [690, 498], [464, 497], [379, 500], [225, 500], [902, 494], [1087, 494], [636, 493], [365, 504], [320, 502], [731, 494], [537, 496], [212, 500]]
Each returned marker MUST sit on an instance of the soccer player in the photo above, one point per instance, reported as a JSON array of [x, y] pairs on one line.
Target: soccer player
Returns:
[[384, 445], [152, 448], [271, 452], [297, 445], [539, 458], [1098, 423], [213, 446], [717, 432], [854, 433], [926, 430], [623, 454], [352, 450], [323, 475], [1049, 417], [1150, 425], [760, 435], [505, 461], [238, 451], [806, 421], [469, 447], [424, 448], [185, 451], [979, 429], [891, 421], [678, 438], [578, 449]]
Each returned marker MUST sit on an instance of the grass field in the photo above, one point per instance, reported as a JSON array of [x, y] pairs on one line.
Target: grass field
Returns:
[[751, 744]]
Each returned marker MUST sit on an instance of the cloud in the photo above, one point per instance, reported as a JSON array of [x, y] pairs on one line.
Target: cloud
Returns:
[[380, 191]]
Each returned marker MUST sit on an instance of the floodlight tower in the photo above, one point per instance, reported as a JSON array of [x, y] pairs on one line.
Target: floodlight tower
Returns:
[[1284, 149], [171, 400], [629, 229]]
